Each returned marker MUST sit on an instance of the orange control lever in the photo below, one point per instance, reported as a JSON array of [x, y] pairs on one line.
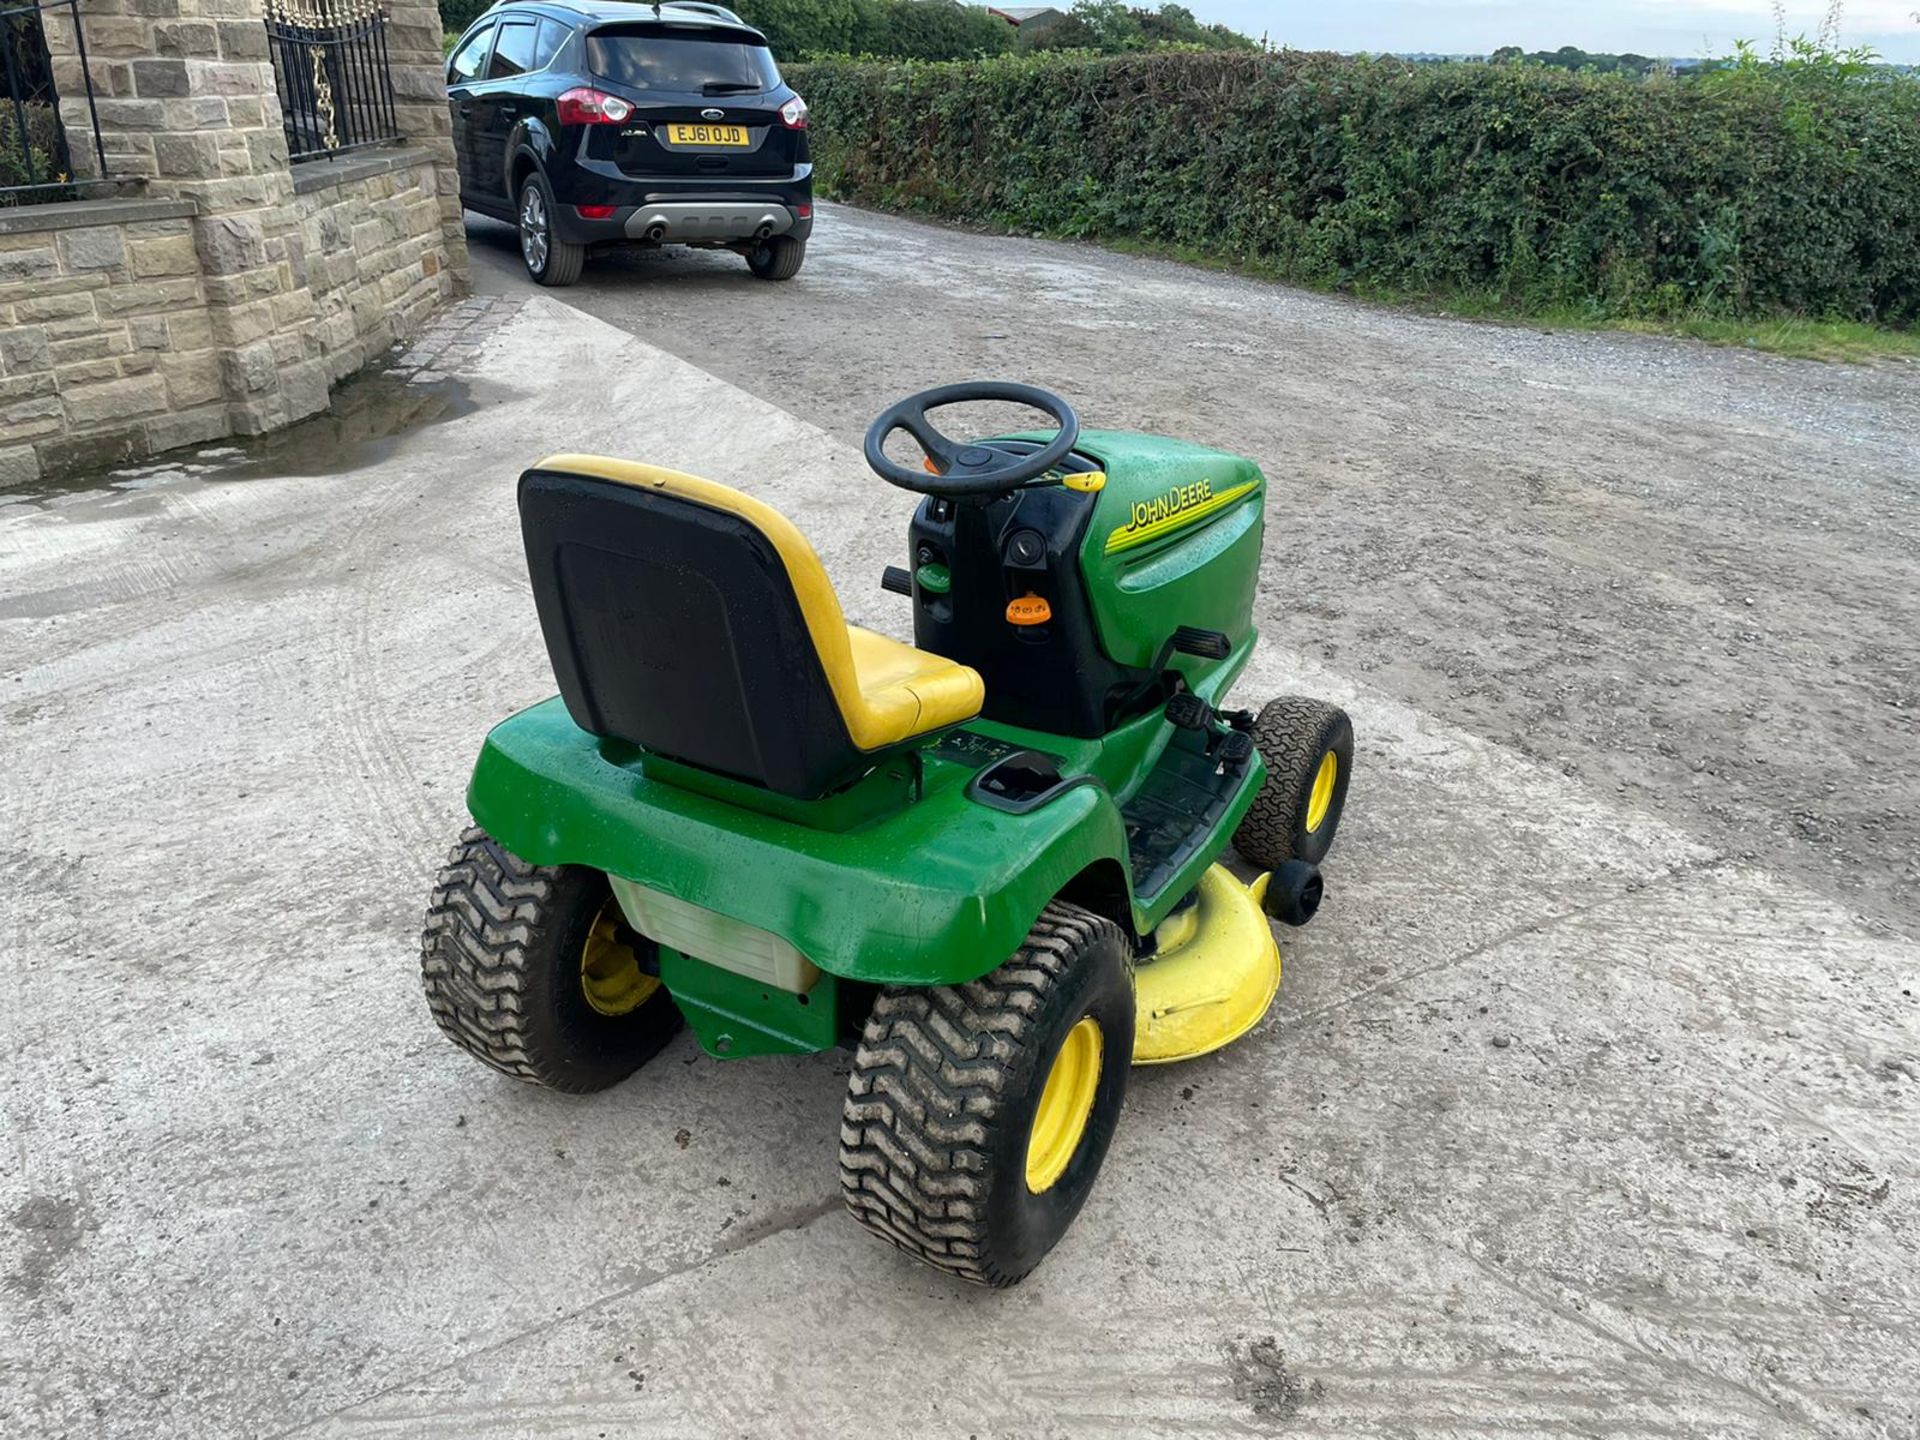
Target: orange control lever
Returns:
[[1029, 609]]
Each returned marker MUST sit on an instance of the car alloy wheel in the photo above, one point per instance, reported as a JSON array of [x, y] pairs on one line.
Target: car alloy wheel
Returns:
[[534, 243]]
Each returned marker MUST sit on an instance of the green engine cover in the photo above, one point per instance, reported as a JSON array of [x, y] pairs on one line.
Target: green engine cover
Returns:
[[1174, 540]]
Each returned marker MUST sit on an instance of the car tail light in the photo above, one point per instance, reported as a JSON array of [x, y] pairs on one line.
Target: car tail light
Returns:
[[581, 106], [803, 212], [793, 114], [595, 212]]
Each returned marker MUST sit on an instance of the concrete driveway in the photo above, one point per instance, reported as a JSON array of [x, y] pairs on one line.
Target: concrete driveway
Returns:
[[1566, 1122]]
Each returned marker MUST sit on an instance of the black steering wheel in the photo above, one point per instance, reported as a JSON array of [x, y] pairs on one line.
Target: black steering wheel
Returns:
[[968, 469]]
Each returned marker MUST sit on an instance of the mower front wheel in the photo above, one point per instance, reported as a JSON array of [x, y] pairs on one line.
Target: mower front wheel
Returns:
[[1308, 749], [978, 1115], [533, 970]]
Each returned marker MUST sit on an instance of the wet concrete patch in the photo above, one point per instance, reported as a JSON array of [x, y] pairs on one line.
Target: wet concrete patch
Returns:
[[52, 1228], [369, 417], [419, 383], [1264, 1382]]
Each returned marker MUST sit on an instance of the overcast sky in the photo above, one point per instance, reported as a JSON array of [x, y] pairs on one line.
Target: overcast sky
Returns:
[[1650, 27]]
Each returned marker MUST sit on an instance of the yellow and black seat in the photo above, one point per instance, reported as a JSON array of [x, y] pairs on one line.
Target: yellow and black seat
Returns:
[[697, 622]]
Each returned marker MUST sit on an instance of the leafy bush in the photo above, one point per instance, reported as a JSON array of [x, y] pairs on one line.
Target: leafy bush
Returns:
[[891, 29], [34, 161], [1571, 57], [456, 15], [1765, 189], [1114, 28]]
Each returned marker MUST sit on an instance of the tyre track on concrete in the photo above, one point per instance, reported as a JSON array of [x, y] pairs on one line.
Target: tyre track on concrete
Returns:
[[1568, 1308], [748, 1238], [1685, 870], [362, 725], [81, 531]]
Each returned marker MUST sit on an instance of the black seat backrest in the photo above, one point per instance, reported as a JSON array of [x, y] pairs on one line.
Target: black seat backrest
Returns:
[[674, 624]]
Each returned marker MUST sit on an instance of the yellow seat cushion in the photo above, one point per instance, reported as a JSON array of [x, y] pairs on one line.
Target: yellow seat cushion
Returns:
[[886, 692], [907, 692]]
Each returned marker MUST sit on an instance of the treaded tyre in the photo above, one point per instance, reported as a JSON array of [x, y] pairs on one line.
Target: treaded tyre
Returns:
[[977, 1115], [549, 259], [777, 258], [532, 969], [1308, 748]]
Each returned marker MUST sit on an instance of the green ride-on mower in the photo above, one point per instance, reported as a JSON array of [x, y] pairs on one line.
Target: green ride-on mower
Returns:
[[987, 862]]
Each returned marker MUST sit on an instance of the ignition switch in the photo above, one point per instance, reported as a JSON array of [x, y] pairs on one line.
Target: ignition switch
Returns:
[[1027, 549]]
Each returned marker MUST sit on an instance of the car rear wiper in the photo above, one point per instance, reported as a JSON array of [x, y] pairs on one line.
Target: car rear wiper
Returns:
[[727, 87]]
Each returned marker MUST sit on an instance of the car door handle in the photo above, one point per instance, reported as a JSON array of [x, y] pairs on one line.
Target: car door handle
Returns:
[[464, 110]]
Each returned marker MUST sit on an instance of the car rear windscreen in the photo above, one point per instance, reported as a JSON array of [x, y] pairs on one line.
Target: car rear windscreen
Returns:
[[649, 58]]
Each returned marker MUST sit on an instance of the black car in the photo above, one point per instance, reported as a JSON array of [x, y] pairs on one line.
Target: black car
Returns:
[[600, 122]]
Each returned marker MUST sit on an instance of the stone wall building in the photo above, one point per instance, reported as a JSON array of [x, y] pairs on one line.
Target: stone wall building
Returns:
[[219, 286]]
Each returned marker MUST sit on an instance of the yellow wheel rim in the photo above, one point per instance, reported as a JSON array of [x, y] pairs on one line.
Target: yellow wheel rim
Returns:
[[1321, 800], [1066, 1104], [610, 973]]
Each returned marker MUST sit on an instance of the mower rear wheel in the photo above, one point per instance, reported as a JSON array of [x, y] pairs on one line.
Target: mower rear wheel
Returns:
[[978, 1115], [532, 969], [1308, 749]]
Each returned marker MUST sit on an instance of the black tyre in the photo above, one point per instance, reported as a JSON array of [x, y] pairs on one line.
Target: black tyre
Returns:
[[1308, 749], [550, 260], [532, 969], [777, 258], [978, 1115]]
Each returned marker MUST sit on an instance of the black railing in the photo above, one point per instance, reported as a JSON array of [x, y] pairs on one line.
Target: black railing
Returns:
[[36, 162], [330, 66]]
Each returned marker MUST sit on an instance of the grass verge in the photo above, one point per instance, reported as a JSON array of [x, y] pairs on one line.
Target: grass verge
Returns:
[[1796, 337]]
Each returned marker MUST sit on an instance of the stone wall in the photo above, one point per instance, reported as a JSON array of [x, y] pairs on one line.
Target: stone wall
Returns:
[[106, 349], [271, 278], [375, 260]]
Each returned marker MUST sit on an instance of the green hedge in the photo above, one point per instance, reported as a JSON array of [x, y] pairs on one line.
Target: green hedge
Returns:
[[456, 15], [1752, 193], [895, 29]]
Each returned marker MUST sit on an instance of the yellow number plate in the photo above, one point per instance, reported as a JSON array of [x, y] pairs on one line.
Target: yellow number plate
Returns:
[[707, 135]]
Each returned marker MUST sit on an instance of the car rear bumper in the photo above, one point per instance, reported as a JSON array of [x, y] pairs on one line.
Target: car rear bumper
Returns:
[[673, 212], [678, 222]]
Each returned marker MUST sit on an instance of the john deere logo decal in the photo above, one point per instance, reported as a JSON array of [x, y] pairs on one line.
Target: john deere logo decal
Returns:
[[1179, 507]]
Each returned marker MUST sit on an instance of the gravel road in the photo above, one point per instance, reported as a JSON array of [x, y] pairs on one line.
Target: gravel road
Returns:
[[1683, 574]]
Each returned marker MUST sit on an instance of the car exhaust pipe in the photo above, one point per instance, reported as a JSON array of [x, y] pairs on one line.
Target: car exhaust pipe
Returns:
[[766, 229], [656, 232]]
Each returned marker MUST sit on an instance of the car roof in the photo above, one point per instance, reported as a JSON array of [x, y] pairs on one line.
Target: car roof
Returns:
[[692, 13]]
